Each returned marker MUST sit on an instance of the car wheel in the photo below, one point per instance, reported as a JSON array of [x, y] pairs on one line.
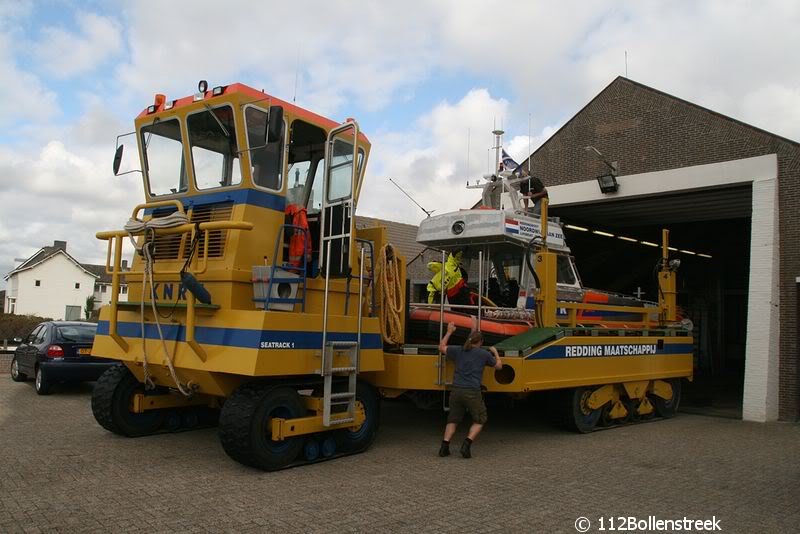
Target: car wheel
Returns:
[[41, 383], [16, 374]]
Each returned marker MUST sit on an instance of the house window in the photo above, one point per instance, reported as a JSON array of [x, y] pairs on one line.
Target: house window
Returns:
[[37, 283], [123, 290], [97, 288], [103, 288], [72, 313], [77, 285]]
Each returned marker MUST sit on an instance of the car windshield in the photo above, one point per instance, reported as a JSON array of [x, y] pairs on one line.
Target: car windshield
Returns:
[[77, 333]]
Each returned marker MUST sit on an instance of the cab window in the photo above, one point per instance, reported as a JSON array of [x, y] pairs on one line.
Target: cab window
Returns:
[[265, 160], [341, 174], [306, 165], [164, 165], [215, 154]]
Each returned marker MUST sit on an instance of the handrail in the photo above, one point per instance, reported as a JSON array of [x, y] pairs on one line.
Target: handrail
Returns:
[[278, 248], [158, 204], [371, 278], [184, 228], [325, 309], [440, 377], [113, 268], [572, 308], [360, 309]]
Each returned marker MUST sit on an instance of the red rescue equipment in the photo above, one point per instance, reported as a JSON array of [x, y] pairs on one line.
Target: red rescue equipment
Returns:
[[299, 242]]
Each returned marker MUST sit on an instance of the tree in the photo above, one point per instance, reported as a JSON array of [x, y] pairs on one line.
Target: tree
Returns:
[[89, 308]]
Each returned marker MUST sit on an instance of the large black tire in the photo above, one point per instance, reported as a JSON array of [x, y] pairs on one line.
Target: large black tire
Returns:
[[360, 439], [41, 382], [244, 425], [16, 374], [668, 408], [111, 400], [576, 416]]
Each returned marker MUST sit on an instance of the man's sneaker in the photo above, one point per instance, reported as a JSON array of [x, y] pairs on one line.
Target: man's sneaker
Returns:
[[444, 450], [466, 451]]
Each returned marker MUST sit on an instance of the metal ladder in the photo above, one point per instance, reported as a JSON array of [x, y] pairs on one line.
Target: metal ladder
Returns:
[[300, 270], [350, 370], [330, 348]]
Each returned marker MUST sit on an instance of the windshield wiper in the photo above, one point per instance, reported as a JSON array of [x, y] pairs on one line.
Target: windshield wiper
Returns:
[[219, 122]]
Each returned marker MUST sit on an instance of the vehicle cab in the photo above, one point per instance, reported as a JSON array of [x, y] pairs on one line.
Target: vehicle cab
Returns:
[[234, 153]]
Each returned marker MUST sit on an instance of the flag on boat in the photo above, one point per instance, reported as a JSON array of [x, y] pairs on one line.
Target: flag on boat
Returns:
[[508, 162], [512, 226]]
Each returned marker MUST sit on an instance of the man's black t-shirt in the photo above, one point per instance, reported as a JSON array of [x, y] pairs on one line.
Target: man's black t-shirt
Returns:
[[531, 185], [469, 365]]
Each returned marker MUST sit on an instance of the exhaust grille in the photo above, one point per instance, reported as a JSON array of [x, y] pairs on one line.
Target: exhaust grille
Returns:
[[166, 246], [176, 246], [216, 238]]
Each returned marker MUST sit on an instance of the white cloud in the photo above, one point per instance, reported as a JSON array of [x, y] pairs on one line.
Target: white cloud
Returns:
[[340, 52], [430, 160], [61, 192], [64, 53], [24, 96]]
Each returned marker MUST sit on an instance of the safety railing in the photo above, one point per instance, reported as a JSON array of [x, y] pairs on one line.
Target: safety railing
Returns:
[[113, 266], [574, 309]]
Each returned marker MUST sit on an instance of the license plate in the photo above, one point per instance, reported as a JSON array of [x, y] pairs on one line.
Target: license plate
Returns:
[[85, 351]]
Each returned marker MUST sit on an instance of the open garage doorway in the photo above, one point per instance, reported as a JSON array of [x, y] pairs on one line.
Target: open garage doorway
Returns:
[[711, 231]]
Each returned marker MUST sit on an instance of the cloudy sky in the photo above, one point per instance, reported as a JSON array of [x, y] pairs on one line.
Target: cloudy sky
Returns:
[[421, 77]]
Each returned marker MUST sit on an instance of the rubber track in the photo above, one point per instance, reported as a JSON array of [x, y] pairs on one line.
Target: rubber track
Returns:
[[234, 428], [235, 422], [103, 397]]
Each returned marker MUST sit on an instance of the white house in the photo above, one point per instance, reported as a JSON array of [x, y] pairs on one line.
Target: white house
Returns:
[[102, 286], [51, 283]]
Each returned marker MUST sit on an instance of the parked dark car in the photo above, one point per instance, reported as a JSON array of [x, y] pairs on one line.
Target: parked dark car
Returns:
[[57, 352]]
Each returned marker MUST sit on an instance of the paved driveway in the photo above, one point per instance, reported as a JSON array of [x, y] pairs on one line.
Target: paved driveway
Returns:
[[59, 471]]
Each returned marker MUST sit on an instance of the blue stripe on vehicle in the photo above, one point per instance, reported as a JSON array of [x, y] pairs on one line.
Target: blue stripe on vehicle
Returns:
[[560, 351], [239, 337], [253, 197]]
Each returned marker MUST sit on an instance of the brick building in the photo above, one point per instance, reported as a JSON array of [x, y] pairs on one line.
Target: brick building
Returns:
[[729, 193]]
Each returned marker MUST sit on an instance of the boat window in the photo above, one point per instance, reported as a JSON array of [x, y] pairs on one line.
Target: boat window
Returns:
[[564, 271], [164, 167], [265, 160], [215, 154]]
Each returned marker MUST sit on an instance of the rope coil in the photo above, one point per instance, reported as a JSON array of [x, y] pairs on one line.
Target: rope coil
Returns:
[[148, 228], [391, 296]]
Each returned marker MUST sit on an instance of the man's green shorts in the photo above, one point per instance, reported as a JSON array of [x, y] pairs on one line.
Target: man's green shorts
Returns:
[[463, 401]]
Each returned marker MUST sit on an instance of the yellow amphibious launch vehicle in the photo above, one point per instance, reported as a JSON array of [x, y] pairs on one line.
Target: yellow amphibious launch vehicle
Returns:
[[254, 301]]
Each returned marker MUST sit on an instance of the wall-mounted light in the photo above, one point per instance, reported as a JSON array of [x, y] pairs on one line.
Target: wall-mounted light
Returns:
[[608, 183]]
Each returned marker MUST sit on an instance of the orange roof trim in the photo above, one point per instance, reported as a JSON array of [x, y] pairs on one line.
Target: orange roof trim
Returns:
[[256, 95]]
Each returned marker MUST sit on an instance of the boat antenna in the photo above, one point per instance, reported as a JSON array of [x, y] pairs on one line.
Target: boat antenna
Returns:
[[428, 213], [296, 69], [530, 155]]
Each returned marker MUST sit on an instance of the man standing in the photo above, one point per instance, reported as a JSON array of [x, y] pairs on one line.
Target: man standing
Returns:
[[466, 396], [534, 190]]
